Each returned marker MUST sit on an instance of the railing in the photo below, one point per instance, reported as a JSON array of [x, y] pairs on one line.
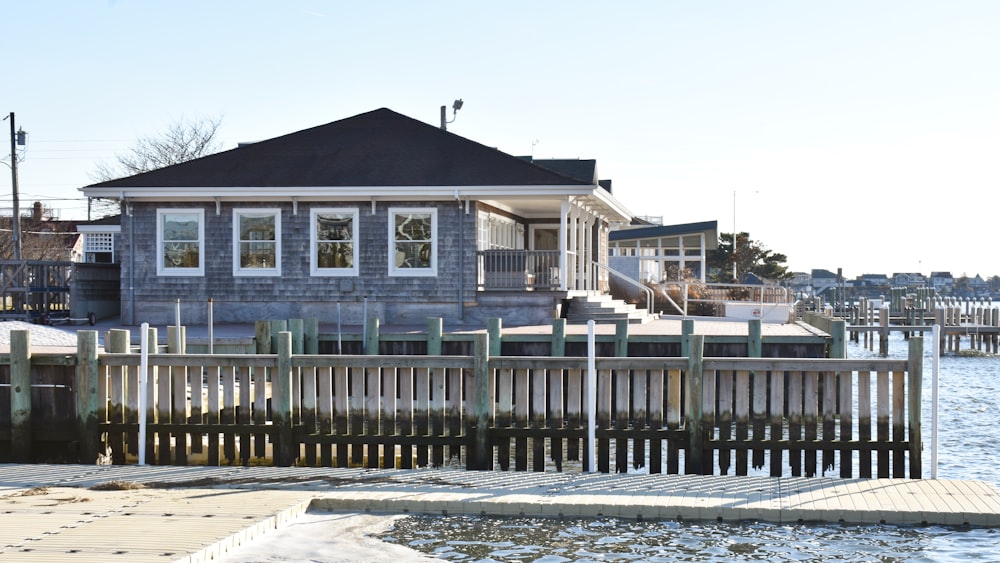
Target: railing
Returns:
[[721, 293], [518, 269], [649, 292], [690, 414]]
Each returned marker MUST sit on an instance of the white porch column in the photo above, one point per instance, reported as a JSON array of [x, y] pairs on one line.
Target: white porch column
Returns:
[[563, 244], [587, 252], [574, 247]]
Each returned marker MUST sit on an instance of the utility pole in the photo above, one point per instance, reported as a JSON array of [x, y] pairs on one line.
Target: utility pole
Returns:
[[16, 225]]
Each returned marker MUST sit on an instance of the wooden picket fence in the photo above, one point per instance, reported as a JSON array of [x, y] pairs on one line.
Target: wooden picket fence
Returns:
[[818, 416]]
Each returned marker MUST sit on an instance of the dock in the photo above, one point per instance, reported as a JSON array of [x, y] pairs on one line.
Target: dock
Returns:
[[161, 513]]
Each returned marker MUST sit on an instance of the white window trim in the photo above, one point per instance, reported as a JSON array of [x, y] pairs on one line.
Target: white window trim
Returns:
[[161, 270], [314, 269], [239, 271], [412, 272]]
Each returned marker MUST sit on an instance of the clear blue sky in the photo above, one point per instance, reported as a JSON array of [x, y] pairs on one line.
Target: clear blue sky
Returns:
[[863, 135]]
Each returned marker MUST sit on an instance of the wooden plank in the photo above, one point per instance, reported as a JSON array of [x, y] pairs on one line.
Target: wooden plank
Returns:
[[521, 397], [341, 412], [724, 418], [899, 423], [810, 417], [437, 413], [453, 411], [603, 419], [243, 415], [574, 410], [373, 391], [640, 391], [555, 415], [657, 382], [404, 415], [776, 419], [673, 418], [795, 420], [829, 418], [308, 412], [504, 410], [539, 380], [388, 415], [742, 417], [882, 407], [620, 416], [196, 376], [758, 414], [260, 409], [324, 412], [421, 405], [356, 414], [212, 412], [229, 412], [844, 381], [864, 423], [710, 381]]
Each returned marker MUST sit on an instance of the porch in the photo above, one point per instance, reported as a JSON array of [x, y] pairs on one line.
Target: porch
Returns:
[[537, 270]]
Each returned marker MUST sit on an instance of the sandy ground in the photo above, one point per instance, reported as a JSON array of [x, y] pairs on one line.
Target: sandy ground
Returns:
[[40, 335], [328, 537]]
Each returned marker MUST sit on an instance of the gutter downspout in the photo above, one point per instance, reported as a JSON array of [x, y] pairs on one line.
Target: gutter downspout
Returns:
[[461, 261], [131, 261]]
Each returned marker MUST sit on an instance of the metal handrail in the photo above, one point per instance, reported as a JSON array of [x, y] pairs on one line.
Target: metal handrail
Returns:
[[648, 291]]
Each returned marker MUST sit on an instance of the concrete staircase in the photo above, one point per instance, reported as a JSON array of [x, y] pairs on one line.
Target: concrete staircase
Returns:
[[604, 309]]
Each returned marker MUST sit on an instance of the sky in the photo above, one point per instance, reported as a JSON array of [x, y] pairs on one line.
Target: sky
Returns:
[[854, 134]]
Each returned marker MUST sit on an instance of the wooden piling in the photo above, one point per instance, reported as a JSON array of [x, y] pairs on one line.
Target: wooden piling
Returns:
[[20, 396], [87, 385]]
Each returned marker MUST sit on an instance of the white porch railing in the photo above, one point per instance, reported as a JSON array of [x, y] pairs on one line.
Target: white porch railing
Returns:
[[518, 270]]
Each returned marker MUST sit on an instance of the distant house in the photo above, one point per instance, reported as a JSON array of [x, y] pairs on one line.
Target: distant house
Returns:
[[942, 282], [657, 253], [908, 279], [378, 213], [873, 280], [822, 280]]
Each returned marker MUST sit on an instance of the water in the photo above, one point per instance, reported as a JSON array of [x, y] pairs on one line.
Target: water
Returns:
[[969, 409]]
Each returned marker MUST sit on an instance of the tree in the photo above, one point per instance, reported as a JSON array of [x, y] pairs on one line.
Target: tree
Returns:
[[181, 142], [750, 256]]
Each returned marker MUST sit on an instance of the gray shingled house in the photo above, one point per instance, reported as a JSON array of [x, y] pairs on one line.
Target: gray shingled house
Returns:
[[378, 213]]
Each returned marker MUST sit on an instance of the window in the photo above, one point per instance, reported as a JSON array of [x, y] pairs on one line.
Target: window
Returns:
[[180, 235], [99, 247], [332, 242], [256, 242], [412, 248]]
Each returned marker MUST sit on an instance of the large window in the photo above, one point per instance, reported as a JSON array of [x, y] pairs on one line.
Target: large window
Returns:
[[332, 240], [256, 242], [180, 237], [412, 242]]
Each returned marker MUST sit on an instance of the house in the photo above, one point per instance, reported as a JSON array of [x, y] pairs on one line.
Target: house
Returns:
[[377, 214], [823, 280], [657, 253], [908, 279], [942, 282]]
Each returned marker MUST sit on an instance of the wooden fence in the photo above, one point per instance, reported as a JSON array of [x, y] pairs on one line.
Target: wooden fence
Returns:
[[815, 416]]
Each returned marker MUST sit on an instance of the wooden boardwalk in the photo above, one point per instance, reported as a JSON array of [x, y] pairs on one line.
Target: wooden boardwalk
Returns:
[[69, 513]]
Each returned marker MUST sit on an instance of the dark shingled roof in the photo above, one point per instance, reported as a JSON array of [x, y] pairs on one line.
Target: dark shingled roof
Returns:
[[378, 148]]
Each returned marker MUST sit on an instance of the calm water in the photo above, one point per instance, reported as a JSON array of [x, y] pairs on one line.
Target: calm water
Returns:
[[968, 437]]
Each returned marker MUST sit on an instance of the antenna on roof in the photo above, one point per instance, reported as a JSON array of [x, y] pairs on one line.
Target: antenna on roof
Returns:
[[454, 109]]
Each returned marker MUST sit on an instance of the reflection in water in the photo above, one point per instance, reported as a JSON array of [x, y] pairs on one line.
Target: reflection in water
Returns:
[[476, 538]]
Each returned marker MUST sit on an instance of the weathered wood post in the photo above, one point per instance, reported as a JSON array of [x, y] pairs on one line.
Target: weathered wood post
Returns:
[[687, 329], [480, 454], [87, 400], [277, 327], [693, 412], [494, 330], [883, 331], [838, 338], [371, 336], [434, 330], [20, 396], [558, 343], [915, 371], [311, 335], [118, 341], [262, 337], [281, 403], [620, 407]]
